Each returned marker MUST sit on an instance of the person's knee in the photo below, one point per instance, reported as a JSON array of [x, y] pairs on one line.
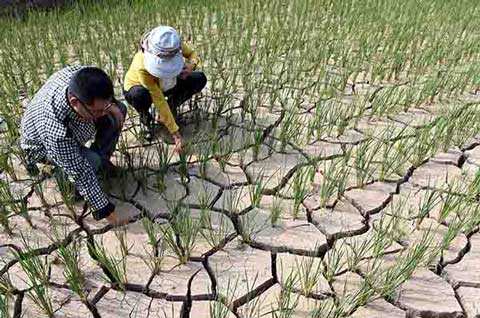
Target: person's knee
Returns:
[[93, 158], [201, 81], [139, 97], [122, 108]]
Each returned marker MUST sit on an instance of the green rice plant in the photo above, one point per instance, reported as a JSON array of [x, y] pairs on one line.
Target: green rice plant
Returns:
[[255, 190], [184, 158], [352, 300], [393, 152], [204, 156], [224, 154], [115, 269], [12, 205], [181, 233], [455, 227], [6, 164], [421, 146], [250, 226], [4, 305], [453, 199], [334, 261], [205, 197], [309, 272], [326, 309], [233, 200], [67, 191], [6, 295], [301, 187], [253, 307], [427, 203], [163, 160], [288, 300], [155, 254], [364, 156], [334, 179], [218, 310], [257, 142], [70, 258], [415, 256], [398, 227], [121, 235], [358, 249], [213, 233], [37, 271], [290, 128], [276, 210], [4, 220]]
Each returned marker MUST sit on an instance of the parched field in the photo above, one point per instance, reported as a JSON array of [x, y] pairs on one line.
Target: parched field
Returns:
[[330, 168]]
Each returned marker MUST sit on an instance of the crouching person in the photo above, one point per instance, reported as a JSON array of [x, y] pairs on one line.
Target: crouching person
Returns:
[[76, 105], [163, 68]]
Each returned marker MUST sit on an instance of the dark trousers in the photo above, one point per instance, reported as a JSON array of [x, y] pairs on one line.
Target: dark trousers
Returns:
[[139, 97]]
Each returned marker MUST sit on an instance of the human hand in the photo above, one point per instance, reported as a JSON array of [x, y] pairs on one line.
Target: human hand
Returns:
[[115, 220], [178, 140], [186, 71]]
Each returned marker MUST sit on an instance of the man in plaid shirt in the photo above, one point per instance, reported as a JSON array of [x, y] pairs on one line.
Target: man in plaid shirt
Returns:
[[75, 105]]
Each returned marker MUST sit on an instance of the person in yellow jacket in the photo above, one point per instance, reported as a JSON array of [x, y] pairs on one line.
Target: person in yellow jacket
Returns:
[[164, 67]]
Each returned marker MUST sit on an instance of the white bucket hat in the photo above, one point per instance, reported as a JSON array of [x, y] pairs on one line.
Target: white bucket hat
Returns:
[[163, 54]]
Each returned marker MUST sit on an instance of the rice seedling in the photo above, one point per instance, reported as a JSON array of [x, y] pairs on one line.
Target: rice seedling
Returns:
[[183, 164], [364, 155], [326, 309], [421, 146], [309, 272], [70, 258], [288, 300], [155, 254], [121, 235], [218, 310], [181, 233], [333, 262], [257, 142], [335, 174], [255, 190], [233, 199], [418, 254], [114, 268], [6, 165], [290, 128], [4, 220], [37, 269], [4, 305], [276, 210], [12, 205], [251, 226], [163, 159], [6, 295], [300, 187], [213, 232], [67, 191]]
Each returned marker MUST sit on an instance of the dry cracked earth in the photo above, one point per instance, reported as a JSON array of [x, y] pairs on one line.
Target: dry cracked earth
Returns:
[[248, 273]]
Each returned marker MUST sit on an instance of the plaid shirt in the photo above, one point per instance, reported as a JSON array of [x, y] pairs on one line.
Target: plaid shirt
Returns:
[[52, 131]]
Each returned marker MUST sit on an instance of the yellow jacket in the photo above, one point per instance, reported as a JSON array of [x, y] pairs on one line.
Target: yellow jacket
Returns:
[[138, 75]]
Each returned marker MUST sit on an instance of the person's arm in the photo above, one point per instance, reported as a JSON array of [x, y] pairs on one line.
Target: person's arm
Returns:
[[164, 112], [64, 151]]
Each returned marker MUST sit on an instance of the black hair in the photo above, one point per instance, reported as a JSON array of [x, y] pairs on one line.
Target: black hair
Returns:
[[90, 83]]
